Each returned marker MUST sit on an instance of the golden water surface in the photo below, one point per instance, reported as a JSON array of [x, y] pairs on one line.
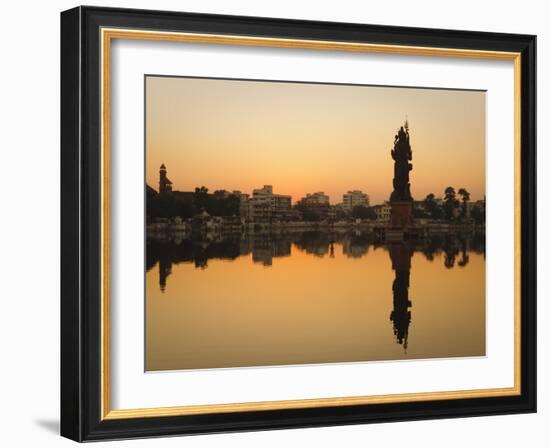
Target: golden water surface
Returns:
[[326, 303]]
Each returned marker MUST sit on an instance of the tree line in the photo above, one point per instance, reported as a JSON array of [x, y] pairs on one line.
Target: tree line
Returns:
[[171, 205], [454, 207]]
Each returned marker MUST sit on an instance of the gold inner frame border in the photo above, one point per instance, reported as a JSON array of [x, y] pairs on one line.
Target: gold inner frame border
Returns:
[[107, 35]]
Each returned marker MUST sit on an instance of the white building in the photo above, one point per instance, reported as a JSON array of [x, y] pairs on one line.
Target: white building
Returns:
[[354, 198], [318, 198], [265, 206], [383, 212]]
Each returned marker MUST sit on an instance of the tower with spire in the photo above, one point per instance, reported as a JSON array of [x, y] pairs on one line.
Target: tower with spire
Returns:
[[165, 185]]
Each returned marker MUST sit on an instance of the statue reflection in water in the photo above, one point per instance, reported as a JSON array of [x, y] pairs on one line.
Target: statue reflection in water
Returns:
[[400, 254], [451, 250]]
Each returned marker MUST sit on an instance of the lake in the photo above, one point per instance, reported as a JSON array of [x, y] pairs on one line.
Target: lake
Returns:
[[311, 297]]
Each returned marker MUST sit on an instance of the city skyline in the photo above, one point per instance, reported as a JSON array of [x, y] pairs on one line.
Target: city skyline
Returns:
[[340, 201], [305, 138]]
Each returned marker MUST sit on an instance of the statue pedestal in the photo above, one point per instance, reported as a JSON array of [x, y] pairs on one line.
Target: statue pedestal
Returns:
[[401, 215]]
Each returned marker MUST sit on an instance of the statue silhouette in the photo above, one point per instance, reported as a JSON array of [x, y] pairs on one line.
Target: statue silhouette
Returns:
[[401, 217], [401, 154]]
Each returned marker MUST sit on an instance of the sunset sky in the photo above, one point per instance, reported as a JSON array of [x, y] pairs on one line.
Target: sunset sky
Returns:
[[303, 138]]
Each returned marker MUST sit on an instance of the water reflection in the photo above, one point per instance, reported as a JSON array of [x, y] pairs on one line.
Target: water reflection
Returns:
[[400, 254], [167, 249], [347, 251]]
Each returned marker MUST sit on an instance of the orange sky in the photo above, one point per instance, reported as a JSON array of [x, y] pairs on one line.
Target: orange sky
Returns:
[[303, 138]]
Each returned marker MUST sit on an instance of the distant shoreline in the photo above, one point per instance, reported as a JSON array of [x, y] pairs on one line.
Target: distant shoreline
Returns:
[[298, 226]]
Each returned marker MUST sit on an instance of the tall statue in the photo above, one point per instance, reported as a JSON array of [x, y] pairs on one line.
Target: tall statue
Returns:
[[401, 217], [401, 154]]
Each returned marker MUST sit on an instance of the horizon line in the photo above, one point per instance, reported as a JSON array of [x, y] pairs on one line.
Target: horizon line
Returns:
[[292, 197]]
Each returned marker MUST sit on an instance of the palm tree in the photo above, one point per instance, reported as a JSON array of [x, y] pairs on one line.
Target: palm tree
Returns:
[[201, 197], [450, 202], [430, 205], [465, 198]]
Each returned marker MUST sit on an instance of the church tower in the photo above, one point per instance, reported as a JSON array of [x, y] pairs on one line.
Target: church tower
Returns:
[[165, 185]]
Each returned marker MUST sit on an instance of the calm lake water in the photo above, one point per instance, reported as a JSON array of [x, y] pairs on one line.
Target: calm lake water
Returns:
[[310, 298]]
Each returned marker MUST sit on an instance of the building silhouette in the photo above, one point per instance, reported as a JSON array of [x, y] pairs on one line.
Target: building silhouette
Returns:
[[165, 185], [265, 206]]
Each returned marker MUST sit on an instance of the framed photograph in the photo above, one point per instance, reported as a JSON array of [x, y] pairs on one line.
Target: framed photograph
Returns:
[[272, 223]]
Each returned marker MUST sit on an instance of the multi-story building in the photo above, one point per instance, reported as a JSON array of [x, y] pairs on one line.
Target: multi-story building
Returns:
[[314, 204], [264, 206], [319, 198], [383, 212], [355, 198], [244, 205], [315, 199]]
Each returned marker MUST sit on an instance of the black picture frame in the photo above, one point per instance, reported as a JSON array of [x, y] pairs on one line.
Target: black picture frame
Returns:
[[81, 224]]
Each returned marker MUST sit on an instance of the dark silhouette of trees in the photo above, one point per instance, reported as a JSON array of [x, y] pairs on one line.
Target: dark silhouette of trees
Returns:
[[200, 197], [185, 210], [433, 210], [465, 198], [340, 214], [170, 205], [228, 206], [465, 258], [362, 212], [311, 215], [162, 206], [312, 212], [449, 259], [450, 203], [478, 214]]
